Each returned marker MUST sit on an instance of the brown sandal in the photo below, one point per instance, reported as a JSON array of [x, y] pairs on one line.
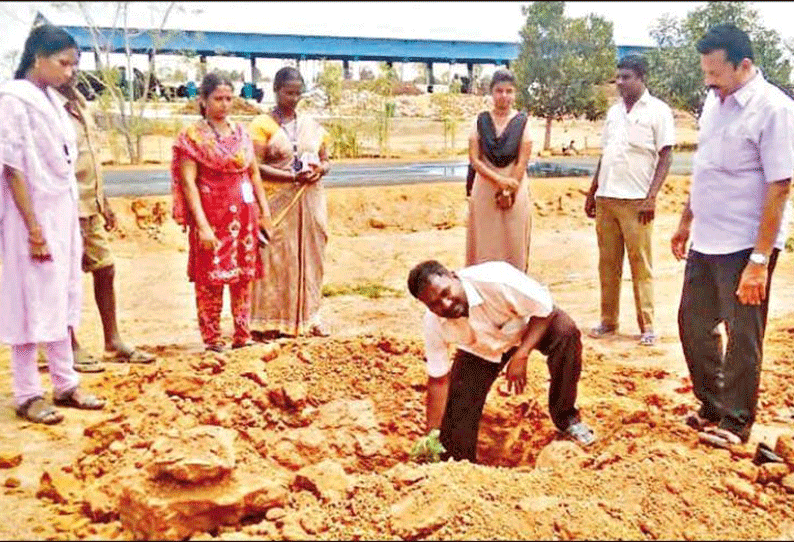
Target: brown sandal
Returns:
[[37, 410], [75, 398]]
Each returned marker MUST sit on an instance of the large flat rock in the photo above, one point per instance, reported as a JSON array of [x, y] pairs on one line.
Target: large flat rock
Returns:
[[199, 454], [158, 510]]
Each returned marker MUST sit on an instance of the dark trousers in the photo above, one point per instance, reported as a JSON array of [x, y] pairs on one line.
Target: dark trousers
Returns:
[[726, 385], [471, 378]]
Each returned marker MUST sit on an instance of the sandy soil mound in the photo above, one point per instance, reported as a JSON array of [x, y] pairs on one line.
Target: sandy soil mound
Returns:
[[319, 432]]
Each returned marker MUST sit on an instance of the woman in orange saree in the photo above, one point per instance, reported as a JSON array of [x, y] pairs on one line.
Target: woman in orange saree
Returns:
[[293, 159]]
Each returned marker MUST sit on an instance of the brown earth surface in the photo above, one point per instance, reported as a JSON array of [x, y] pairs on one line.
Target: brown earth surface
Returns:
[[309, 438]]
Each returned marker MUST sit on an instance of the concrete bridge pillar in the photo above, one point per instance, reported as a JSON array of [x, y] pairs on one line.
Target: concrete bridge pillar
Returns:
[[430, 80], [346, 69], [202, 66]]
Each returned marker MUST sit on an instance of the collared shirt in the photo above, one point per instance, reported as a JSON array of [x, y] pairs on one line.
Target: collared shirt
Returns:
[[631, 142], [501, 300], [743, 143], [86, 168]]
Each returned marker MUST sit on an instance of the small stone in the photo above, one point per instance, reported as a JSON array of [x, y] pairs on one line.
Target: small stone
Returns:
[[413, 518], [741, 488], [116, 446], [649, 527], [270, 351], [376, 223], [537, 504], [327, 480], [185, 385], [98, 505], [264, 530], [370, 444], [305, 356], [257, 375], [313, 523], [57, 487], [788, 483], [747, 470], [275, 514], [292, 530], [559, 454], [403, 474], [10, 459], [294, 395], [784, 447], [12, 481], [772, 472], [63, 524], [673, 487]]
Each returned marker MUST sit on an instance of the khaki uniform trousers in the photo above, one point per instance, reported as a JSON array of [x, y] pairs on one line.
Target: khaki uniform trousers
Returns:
[[617, 228]]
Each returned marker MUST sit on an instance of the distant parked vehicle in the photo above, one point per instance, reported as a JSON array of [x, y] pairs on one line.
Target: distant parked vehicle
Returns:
[[251, 91], [91, 84]]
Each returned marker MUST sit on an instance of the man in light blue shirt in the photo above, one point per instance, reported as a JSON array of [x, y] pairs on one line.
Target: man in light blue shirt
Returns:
[[741, 176]]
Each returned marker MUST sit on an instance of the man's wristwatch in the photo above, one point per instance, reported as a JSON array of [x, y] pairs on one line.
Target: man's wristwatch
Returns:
[[759, 258]]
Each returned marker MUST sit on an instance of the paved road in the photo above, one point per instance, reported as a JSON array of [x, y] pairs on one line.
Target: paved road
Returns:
[[158, 181]]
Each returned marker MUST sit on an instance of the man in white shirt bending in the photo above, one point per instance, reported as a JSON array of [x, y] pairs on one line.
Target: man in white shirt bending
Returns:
[[495, 315]]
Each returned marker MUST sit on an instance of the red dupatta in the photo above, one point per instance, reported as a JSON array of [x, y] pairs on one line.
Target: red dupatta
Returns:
[[199, 142]]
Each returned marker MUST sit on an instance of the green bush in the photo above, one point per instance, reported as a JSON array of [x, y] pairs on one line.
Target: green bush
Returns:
[[343, 139]]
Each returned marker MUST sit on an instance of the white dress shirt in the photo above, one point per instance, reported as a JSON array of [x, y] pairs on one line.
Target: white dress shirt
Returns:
[[743, 143], [631, 142], [501, 300]]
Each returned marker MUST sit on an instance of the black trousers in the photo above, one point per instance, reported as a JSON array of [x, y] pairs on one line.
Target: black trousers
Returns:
[[471, 378], [726, 385]]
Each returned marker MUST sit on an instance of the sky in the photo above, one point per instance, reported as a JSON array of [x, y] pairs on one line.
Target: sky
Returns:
[[496, 21]]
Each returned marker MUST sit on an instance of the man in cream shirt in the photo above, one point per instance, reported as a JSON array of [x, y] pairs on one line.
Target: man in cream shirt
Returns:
[[496, 315], [637, 151]]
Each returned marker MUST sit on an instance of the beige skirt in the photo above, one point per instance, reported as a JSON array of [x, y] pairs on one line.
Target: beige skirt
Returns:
[[495, 234]]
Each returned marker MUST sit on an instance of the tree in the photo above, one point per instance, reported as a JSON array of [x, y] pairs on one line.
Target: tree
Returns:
[[422, 77], [561, 62], [122, 84], [673, 62], [330, 80]]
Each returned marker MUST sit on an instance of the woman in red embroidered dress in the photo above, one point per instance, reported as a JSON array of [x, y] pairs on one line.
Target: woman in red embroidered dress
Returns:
[[218, 195]]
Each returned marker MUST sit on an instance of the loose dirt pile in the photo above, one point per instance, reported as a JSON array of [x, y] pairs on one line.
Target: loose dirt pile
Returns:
[[309, 438]]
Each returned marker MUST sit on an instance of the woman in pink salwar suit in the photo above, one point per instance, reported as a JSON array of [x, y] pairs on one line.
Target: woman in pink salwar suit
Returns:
[[40, 242]]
